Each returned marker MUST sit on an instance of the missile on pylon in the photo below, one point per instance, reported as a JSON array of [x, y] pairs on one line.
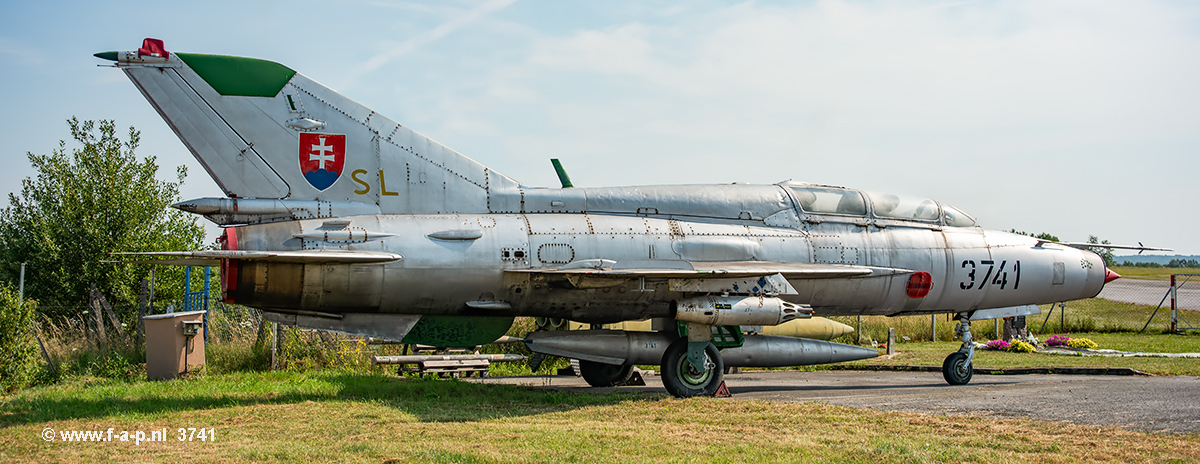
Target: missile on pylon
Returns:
[[622, 347], [816, 328]]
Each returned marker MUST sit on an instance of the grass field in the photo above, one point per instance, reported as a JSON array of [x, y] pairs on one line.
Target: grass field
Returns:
[[330, 416], [932, 354], [355, 413]]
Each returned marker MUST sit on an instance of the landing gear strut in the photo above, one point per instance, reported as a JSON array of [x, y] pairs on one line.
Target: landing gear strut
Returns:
[[957, 368]]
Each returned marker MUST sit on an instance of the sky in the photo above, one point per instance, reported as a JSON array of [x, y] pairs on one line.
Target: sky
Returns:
[[1074, 118]]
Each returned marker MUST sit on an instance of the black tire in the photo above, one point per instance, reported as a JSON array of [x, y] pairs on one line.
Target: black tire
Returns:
[[681, 380], [605, 375], [957, 370]]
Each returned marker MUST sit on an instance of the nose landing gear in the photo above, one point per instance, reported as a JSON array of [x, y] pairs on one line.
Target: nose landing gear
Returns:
[[957, 368]]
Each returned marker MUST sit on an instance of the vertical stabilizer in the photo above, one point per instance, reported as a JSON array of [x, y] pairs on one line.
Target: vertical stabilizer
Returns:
[[262, 130]]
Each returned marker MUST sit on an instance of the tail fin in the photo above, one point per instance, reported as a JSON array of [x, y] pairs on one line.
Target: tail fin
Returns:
[[262, 130]]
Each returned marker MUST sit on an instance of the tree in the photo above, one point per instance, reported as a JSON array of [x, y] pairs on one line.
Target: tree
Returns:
[[1105, 253], [1041, 236], [16, 341], [84, 203]]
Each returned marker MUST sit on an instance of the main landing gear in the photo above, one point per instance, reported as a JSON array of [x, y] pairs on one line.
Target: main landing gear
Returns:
[[957, 368], [604, 375], [692, 368]]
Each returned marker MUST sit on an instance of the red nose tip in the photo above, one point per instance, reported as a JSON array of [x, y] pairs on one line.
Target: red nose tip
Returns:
[[1110, 276]]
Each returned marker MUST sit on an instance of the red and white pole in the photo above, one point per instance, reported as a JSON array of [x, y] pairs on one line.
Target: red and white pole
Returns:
[[1174, 316]]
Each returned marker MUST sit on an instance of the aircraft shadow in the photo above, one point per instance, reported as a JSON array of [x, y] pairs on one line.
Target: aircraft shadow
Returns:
[[427, 399], [735, 389]]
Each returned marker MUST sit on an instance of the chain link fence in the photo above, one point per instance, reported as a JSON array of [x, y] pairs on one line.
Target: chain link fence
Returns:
[[1174, 302]]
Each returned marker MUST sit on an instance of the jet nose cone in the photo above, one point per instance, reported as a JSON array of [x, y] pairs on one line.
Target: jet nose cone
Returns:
[[1110, 276]]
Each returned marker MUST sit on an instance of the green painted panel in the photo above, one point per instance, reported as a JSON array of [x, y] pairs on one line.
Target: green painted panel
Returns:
[[458, 331], [238, 76]]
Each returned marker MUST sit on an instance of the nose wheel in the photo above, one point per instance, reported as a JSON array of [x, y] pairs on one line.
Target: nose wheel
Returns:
[[957, 368]]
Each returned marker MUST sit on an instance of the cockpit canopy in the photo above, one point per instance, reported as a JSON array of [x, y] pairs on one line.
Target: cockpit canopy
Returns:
[[815, 199]]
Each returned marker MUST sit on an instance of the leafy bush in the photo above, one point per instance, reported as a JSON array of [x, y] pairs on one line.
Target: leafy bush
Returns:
[[1082, 343], [998, 345], [1058, 340], [124, 364], [16, 341], [1018, 346]]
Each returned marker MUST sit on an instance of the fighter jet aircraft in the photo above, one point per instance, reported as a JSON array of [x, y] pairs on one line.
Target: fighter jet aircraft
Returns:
[[339, 218]]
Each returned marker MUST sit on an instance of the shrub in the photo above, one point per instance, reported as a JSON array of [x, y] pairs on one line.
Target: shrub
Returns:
[[1058, 340], [1018, 346], [1082, 343], [998, 345], [16, 341]]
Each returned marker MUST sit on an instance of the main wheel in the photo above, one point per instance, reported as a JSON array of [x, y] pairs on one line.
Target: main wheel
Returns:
[[605, 375], [957, 370], [684, 380]]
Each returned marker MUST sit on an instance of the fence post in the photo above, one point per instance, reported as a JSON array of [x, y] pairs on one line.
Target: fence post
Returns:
[[275, 345], [207, 277], [112, 316], [891, 349], [1174, 315], [94, 307], [141, 324], [150, 299]]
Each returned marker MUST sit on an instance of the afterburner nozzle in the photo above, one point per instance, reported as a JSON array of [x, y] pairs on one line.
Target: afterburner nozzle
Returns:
[[1110, 276]]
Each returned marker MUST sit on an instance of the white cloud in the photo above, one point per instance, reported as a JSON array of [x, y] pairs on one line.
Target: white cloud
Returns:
[[998, 106]]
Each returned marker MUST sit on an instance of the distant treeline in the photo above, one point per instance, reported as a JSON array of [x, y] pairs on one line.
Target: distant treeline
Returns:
[[1156, 261], [1174, 263]]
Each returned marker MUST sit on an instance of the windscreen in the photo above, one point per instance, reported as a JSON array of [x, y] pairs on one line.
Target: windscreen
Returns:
[[956, 218]]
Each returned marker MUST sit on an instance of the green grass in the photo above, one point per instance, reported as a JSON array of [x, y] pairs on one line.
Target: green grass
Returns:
[[333, 416], [933, 353], [1113, 325]]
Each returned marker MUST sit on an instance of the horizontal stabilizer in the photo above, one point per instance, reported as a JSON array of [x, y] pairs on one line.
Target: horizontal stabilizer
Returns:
[[300, 256], [172, 262]]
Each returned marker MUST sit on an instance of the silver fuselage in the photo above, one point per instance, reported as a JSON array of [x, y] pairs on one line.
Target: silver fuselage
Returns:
[[971, 268]]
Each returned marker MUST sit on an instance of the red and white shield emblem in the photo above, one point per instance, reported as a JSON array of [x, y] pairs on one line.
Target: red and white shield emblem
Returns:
[[321, 158]]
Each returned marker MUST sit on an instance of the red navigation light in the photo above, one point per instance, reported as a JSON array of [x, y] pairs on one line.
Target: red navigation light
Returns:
[[153, 47], [919, 284]]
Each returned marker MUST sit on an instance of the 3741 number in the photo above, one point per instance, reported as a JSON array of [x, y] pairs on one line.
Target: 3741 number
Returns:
[[1000, 278]]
